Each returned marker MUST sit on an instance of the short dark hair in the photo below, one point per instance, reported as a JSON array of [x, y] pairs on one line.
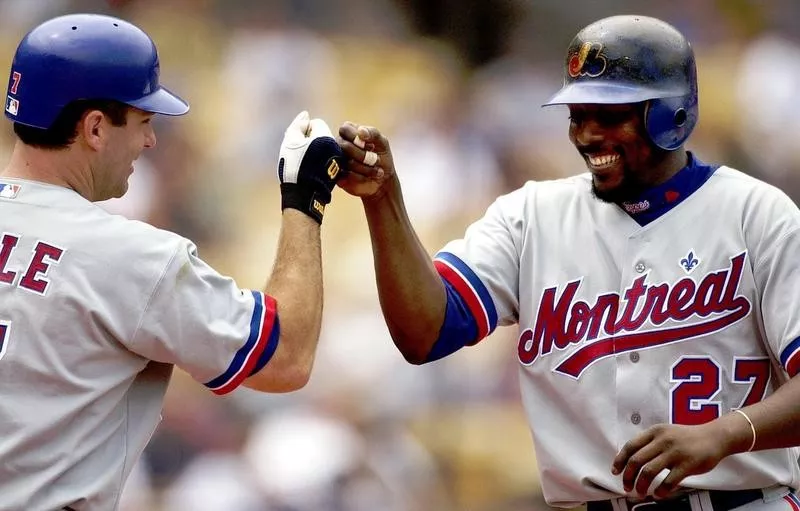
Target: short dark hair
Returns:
[[64, 129]]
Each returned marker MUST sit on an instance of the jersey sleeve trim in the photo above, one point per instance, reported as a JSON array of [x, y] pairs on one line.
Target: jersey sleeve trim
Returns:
[[458, 329], [790, 357], [272, 345], [470, 288], [263, 339]]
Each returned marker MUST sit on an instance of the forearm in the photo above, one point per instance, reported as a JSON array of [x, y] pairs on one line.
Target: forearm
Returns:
[[412, 296], [776, 420], [296, 286]]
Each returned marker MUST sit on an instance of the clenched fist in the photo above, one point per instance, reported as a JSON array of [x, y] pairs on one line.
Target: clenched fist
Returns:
[[309, 165]]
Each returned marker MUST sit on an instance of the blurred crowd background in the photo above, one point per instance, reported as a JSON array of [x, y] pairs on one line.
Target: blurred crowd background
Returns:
[[457, 86]]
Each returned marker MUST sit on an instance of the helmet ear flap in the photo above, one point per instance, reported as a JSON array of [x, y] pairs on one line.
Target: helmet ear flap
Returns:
[[670, 121]]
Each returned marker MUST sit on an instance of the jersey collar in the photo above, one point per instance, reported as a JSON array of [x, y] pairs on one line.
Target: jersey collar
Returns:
[[658, 200]]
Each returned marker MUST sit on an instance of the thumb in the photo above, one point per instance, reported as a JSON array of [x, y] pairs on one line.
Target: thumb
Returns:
[[319, 128], [300, 125]]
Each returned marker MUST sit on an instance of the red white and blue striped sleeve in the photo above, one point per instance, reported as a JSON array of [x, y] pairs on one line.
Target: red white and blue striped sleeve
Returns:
[[790, 357], [257, 349], [793, 501], [470, 315]]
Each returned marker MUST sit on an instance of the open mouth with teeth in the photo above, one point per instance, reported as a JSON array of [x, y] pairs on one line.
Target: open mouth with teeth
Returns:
[[599, 161]]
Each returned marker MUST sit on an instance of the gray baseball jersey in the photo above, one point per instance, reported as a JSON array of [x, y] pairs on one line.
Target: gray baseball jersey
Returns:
[[623, 326], [95, 310]]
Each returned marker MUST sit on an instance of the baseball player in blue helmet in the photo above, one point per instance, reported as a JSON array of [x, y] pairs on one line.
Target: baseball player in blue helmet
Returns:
[[641, 64], [85, 57], [655, 294], [96, 309]]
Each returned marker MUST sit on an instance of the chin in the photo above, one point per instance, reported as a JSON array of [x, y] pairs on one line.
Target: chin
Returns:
[[603, 194], [618, 188], [117, 192], [604, 190], [614, 194]]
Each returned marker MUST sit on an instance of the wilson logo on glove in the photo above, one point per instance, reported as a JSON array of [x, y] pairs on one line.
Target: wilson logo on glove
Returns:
[[333, 169]]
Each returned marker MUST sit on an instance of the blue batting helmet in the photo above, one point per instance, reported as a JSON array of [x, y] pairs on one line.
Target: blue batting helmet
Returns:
[[632, 59], [85, 56]]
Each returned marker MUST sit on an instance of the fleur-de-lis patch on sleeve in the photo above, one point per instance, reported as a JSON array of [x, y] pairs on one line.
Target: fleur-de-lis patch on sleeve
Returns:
[[689, 262]]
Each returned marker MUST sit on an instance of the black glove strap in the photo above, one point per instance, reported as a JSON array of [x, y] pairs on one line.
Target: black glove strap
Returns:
[[310, 202]]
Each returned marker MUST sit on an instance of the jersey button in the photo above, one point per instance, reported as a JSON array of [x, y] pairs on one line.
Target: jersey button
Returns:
[[634, 357], [639, 267], [636, 418]]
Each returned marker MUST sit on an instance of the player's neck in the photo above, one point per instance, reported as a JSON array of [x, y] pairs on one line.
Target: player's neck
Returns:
[[56, 167], [671, 164]]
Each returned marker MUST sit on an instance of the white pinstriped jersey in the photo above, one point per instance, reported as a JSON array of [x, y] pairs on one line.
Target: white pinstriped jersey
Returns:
[[624, 326], [95, 310]]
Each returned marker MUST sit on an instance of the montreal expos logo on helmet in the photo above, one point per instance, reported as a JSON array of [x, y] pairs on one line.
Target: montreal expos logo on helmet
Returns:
[[587, 61], [634, 59], [85, 56]]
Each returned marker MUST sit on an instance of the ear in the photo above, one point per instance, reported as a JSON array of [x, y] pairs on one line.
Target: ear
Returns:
[[93, 128]]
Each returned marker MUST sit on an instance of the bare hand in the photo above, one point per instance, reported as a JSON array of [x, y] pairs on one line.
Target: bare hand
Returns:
[[684, 450], [362, 180]]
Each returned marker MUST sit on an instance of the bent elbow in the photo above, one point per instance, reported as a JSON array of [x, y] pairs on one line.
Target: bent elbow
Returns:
[[415, 344], [294, 362], [412, 352], [414, 359], [297, 376], [279, 382], [292, 375], [281, 376]]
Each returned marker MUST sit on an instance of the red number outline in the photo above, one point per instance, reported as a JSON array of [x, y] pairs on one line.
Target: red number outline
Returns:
[[5, 329], [16, 77], [756, 371], [692, 389], [692, 394]]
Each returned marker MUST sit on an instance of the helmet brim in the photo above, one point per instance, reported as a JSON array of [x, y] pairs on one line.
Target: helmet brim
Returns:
[[161, 101], [607, 94]]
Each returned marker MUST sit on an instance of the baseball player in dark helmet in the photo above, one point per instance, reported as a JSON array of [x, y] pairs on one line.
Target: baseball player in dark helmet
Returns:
[[647, 65], [655, 295], [635, 59]]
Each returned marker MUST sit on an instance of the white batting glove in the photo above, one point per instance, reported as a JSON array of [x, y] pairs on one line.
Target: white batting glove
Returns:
[[309, 165]]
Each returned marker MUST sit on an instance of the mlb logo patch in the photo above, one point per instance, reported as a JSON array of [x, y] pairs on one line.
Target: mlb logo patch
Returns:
[[9, 191], [12, 106]]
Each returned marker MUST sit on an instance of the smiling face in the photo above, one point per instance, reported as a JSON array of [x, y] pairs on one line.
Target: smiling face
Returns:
[[122, 145], [618, 152]]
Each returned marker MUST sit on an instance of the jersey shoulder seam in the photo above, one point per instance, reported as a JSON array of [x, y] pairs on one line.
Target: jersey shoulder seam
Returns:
[[154, 291], [775, 246]]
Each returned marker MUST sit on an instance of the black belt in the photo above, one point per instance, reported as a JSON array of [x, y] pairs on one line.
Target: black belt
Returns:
[[720, 500]]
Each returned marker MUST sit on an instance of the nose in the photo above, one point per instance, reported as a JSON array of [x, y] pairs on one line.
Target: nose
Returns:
[[150, 138], [586, 132]]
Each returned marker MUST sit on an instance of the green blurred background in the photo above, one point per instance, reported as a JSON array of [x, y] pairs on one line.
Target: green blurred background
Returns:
[[456, 85]]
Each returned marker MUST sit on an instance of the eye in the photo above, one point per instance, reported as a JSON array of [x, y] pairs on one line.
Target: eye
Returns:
[[612, 117]]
